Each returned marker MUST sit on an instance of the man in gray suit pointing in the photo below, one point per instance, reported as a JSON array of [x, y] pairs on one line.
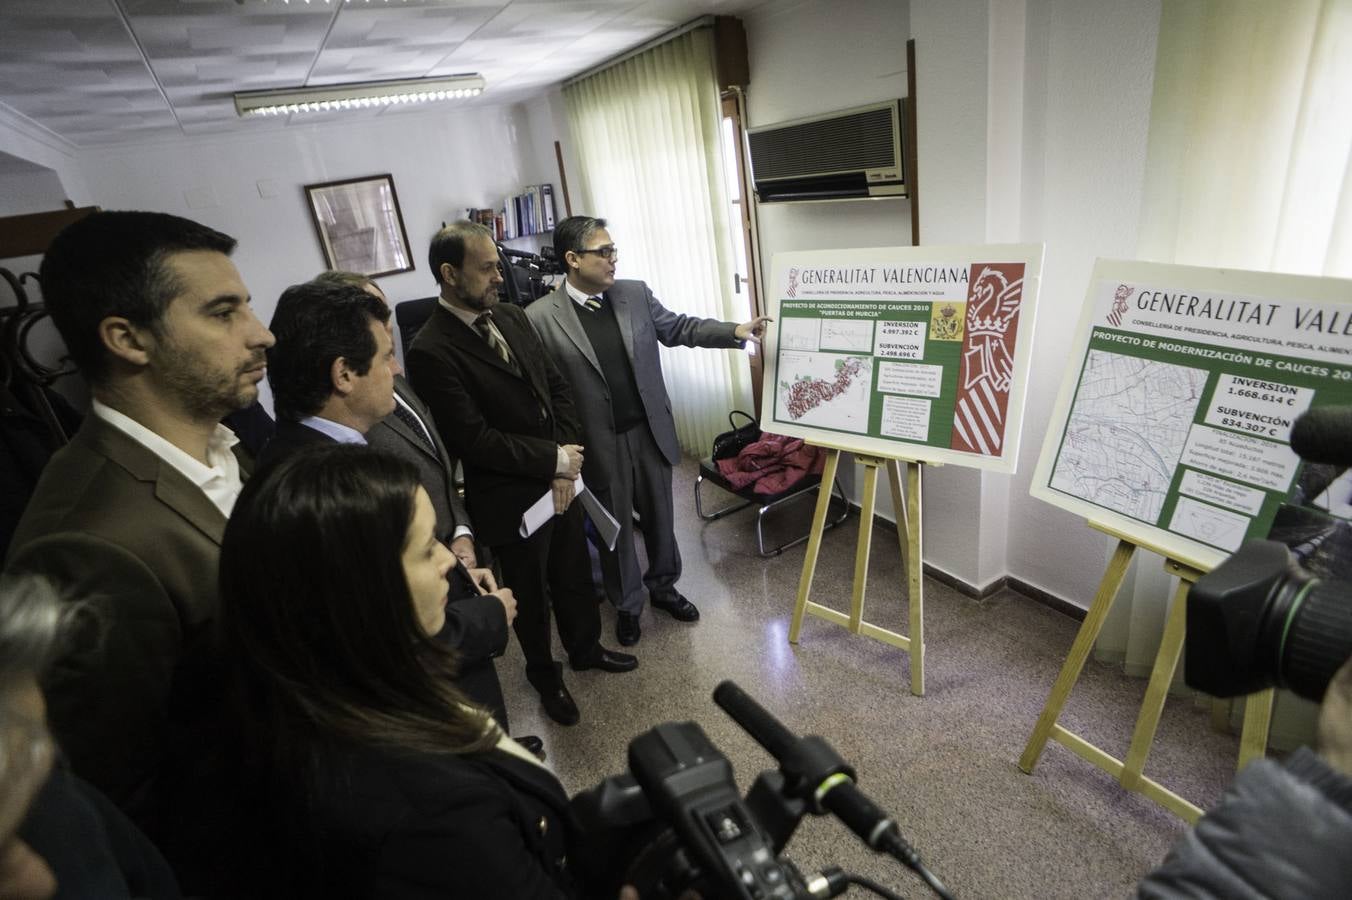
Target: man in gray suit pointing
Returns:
[[603, 335]]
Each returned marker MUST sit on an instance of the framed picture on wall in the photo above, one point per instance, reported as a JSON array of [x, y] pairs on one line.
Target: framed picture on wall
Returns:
[[359, 225]]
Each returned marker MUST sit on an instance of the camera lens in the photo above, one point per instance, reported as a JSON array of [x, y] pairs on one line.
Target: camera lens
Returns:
[[1309, 631], [1259, 620]]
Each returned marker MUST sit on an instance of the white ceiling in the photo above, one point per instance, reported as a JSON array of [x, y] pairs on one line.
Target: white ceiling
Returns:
[[112, 71]]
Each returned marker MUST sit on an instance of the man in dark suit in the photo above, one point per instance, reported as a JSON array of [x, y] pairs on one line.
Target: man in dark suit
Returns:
[[332, 374], [506, 413], [410, 432], [127, 519], [603, 335]]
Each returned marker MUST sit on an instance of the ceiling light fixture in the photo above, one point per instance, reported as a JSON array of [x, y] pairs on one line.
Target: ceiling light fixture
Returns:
[[357, 95]]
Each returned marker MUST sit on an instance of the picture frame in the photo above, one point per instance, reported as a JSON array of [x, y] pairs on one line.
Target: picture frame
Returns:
[[360, 226]]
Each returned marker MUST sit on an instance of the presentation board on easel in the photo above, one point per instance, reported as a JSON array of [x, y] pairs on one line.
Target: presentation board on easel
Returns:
[[1173, 422], [914, 354], [1171, 433]]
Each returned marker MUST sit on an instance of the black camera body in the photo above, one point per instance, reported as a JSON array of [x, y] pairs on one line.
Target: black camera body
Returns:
[[1261, 618], [678, 823]]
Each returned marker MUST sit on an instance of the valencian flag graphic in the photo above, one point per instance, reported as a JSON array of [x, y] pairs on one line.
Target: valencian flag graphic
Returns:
[[994, 295]]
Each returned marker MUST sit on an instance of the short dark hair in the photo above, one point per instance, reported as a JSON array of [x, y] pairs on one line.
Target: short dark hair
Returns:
[[342, 276], [113, 264], [448, 245], [315, 324], [572, 233]]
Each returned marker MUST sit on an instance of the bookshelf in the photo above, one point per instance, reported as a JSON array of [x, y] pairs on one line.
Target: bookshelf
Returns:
[[527, 214]]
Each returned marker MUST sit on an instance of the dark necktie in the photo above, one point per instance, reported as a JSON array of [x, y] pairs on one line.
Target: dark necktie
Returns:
[[592, 303], [405, 415], [484, 326]]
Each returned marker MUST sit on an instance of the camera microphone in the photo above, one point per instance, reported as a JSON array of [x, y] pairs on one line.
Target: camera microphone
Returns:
[[823, 778], [1320, 435]]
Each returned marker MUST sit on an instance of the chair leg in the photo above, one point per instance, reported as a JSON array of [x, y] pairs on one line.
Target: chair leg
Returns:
[[837, 490], [712, 517]]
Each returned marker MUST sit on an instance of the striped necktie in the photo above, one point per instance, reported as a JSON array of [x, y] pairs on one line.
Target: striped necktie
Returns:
[[405, 415], [592, 303], [484, 325]]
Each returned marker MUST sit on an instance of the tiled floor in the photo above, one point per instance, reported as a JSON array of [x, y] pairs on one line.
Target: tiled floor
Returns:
[[943, 765]]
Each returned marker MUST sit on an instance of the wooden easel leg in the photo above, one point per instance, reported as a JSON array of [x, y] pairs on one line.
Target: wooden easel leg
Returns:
[[868, 501], [915, 575], [1079, 652], [1257, 720], [814, 544], [1157, 690], [903, 514]]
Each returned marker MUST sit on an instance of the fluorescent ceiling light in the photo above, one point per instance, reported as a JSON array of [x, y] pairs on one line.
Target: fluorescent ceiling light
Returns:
[[357, 95]]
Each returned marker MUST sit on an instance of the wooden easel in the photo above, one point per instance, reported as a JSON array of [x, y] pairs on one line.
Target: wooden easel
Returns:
[[908, 537], [1257, 707]]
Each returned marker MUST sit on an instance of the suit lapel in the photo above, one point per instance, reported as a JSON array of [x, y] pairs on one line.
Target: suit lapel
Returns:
[[531, 369], [405, 394], [620, 305], [172, 487], [564, 311]]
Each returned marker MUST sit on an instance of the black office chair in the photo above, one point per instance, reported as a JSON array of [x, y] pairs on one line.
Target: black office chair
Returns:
[[411, 316]]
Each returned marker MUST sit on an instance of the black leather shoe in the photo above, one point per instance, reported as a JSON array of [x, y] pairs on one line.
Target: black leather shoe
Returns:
[[559, 705], [676, 606], [607, 661], [626, 628], [533, 745]]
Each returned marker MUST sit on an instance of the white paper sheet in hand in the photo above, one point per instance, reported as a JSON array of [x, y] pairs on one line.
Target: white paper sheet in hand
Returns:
[[542, 510]]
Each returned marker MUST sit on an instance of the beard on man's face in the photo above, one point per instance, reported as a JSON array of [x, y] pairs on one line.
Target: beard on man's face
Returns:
[[205, 391]]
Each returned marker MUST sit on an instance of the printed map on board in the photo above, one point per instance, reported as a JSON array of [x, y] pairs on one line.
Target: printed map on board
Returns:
[[825, 390], [1126, 432]]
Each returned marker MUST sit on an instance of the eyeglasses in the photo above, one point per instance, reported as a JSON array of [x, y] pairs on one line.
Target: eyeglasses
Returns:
[[608, 252]]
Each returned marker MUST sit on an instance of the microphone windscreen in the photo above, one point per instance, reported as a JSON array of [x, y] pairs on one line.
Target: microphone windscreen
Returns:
[[1324, 435]]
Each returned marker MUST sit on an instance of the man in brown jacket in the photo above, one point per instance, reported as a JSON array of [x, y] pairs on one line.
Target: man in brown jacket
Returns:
[[127, 519]]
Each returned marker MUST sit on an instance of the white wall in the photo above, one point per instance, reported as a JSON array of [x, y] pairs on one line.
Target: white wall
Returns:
[[1091, 65], [25, 139], [817, 57], [442, 161]]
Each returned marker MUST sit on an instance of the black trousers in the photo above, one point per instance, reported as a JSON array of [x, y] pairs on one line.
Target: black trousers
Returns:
[[477, 678], [551, 570]]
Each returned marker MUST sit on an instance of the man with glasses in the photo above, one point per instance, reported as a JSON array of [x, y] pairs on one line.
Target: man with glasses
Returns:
[[505, 411], [603, 335]]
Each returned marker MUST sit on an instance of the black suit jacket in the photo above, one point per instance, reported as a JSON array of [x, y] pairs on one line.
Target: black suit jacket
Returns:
[[436, 469], [411, 825], [505, 423], [289, 438]]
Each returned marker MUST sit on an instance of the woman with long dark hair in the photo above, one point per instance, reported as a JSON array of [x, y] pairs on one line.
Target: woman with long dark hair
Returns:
[[360, 768]]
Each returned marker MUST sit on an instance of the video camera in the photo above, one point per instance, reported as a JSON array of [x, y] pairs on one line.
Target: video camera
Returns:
[[525, 274], [677, 823], [1279, 615]]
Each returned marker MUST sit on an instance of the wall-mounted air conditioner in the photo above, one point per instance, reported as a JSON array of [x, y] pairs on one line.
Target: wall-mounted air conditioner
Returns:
[[847, 154]]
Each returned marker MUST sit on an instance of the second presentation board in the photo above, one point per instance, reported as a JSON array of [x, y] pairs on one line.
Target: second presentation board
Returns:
[[918, 353]]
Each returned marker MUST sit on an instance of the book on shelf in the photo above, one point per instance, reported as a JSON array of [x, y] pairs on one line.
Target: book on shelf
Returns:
[[530, 212], [490, 218]]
